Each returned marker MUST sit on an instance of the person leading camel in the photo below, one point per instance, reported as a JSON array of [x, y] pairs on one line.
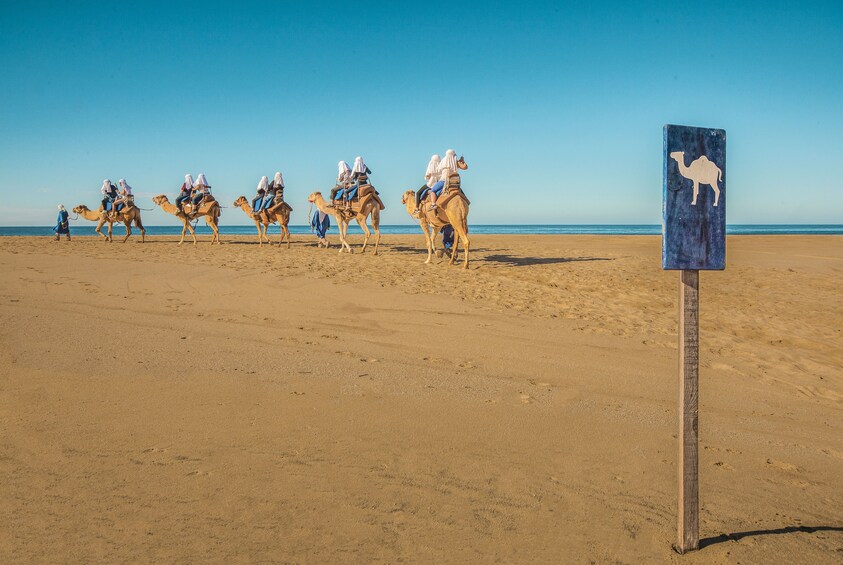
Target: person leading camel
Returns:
[[62, 224], [321, 223]]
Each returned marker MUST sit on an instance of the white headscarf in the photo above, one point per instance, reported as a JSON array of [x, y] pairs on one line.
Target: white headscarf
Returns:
[[278, 180], [125, 186], [264, 182], [359, 166], [106, 186], [343, 171], [61, 207], [188, 181], [450, 160], [433, 166], [201, 180]]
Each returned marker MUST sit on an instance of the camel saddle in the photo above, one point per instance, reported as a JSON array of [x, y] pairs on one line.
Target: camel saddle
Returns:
[[204, 206], [452, 192], [277, 206], [364, 194]]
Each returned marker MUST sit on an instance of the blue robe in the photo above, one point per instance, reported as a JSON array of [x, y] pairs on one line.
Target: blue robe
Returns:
[[321, 227], [62, 225]]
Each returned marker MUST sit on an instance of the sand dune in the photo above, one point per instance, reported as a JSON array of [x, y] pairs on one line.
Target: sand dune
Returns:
[[236, 404]]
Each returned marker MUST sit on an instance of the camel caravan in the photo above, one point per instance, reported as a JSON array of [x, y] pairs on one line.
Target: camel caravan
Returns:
[[438, 206]]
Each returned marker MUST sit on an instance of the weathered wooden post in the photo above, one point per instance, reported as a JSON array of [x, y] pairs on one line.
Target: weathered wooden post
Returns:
[[693, 239]]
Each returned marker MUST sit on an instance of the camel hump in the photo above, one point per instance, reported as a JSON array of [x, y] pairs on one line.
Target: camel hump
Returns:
[[703, 159]]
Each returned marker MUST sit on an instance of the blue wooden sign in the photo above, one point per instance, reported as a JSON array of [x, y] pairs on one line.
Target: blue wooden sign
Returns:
[[694, 199]]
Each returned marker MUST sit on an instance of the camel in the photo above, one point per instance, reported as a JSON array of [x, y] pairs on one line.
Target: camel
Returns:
[[370, 206], [450, 210], [126, 216], [701, 171], [209, 210], [279, 213]]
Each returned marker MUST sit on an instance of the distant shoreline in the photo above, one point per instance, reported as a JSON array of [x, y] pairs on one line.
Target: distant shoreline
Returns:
[[87, 229]]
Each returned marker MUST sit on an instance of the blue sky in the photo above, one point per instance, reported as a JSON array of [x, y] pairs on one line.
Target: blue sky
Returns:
[[557, 107]]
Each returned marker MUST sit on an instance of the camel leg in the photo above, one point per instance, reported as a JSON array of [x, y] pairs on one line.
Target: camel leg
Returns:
[[696, 192], [98, 229], [426, 230], [285, 233], [183, 231], [716, 193], [362, 223], [139, 225], [110, 232], [456, 247], [213, 224], [260, 235], [376, 225], [343, 235], [128, 231], [466, 244]]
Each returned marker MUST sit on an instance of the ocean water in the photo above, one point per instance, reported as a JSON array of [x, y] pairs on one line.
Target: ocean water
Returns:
[[526, 229]]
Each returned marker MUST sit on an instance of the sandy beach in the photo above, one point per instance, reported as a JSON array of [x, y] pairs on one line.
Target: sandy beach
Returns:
[[234, 404]]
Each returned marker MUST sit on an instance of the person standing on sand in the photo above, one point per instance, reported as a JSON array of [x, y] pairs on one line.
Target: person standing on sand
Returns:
[[62, 224], [321, 222], [186, 189]]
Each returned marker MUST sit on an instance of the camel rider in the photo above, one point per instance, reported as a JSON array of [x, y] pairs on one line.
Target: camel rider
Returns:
[[62, 223], [449, 176], [273, 191], [125, 196], [257, 201], [109, 193], [343, 181], [186, 189], [360, 177], [431, 178], [201, 189]]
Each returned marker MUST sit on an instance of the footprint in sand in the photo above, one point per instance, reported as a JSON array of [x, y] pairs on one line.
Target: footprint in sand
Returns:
[[784, 466], [526, 399], [723, 465]]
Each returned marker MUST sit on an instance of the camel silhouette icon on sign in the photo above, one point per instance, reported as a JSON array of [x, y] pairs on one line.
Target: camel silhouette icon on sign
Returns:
[[701, 171]]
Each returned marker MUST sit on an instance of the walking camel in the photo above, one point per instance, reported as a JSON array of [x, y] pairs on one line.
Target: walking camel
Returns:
[[453, 210], [128, 215], [701, 171], [279, 213], [209, 210], [370, 206]]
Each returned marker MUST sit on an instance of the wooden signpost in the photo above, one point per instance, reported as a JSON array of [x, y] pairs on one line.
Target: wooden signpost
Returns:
[[693, 239]]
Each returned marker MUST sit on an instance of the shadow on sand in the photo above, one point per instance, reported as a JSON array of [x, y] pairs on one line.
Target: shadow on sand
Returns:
[[750, 533], [516, 261]]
